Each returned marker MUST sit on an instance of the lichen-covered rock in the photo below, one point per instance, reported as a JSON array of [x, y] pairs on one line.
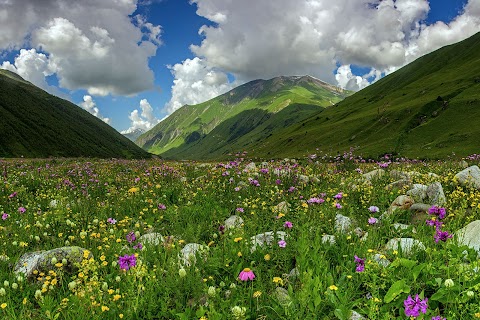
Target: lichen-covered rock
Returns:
[[188, 254], [435, 194], [342, 224], [281, 294], [418, 192], [381, 260], [356, 316], [469, 235], [375, 174], [398, 184], [43, 261], [233, 222], [407, 245], [266, 239], [420, 207], [469, 177], [282, 207]]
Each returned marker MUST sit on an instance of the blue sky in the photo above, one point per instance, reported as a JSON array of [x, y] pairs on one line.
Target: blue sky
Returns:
[[119, 60]]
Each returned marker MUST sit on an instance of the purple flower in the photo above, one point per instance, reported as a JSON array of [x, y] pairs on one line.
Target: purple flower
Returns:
[[13, 195], [338, 196], [5, 216], [315, 200], [126, 261], [434, 223], [291, 189], [338, 205], [413, 307], [161, 206], [282, 243], [442, 235], [240, 210], [360, 264], [221, 229], [237, 188], [22, 210], [288, 225], [278, 181], [138, 246], [373, 209], [372, 220], [131, 237], [438, 318], [438, 211], [111, 221]]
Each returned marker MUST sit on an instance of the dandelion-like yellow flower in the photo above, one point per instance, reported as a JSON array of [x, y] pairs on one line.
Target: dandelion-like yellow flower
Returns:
[[278, 280], [333, 287], [3, 305], [133, 190], [267, 257], [257, 294], [105, 308], [238, 239]]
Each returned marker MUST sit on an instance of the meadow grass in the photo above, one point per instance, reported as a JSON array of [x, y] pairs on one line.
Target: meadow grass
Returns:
[[101, 205]]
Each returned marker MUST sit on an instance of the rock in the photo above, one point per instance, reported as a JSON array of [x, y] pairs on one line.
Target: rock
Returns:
[[266, 239], [342, 224], [281, 294], [189, 252], [328, 238], [398, 184], [381, 260], [303, 179], [282, 207], [433, 175], [469, 177], [469, 235], [400, 226], [420, 207], [356, 316], [233, 222], [42, 260], [402, 202], [375, 174], [435, 194], [151, 239], [293, 274], [407, 245], [418, 192], [251, 166], [463, 164], [395, 174]]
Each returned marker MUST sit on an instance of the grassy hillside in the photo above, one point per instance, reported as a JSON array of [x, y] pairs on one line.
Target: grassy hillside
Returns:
[[34, 123], [192, 124]]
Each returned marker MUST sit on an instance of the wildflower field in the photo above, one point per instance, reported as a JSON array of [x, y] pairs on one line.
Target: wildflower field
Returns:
[[281, 239]]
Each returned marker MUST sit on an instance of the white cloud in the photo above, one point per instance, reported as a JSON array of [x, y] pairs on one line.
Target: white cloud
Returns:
[[195, 82], [144, 120], [89, 105], [30, 65], [347, 80], [263, 39], [92, 45]]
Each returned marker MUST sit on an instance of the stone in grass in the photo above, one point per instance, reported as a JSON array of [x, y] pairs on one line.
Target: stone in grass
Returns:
[[282, 207], [469, 235], [356, 316], [293, 274], [342, 224], [151, 239], [375, 174], [398, 184], [400, 226], [328, 238], [418, 192], [266, 239], [381, 260], [233, 222], [188, 254], [469, 177], [407, 245], [435, 194], [281, 294], [303, 179], [43, 261], [251, 166], [402, 202]]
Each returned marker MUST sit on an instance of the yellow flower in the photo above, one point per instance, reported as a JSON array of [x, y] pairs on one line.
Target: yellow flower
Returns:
[[333, 287], [133, 190], [280, 215], [257, 294], [305, 205], [105, 308], [278, 280], [239, 254], [116, 297], [237, 239], [3, 305], [120, 315]]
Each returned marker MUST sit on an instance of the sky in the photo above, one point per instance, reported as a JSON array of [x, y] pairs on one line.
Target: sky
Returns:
[[134, 62]]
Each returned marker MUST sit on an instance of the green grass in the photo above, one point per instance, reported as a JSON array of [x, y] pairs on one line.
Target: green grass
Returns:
[[34, 123], [198, 198]]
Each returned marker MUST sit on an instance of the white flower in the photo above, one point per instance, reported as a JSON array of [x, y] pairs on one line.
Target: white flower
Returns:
[[211, 291], [182, 273], [449, 283]]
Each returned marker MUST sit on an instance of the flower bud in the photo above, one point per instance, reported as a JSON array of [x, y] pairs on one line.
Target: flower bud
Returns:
[[449, 283], [182, 273]]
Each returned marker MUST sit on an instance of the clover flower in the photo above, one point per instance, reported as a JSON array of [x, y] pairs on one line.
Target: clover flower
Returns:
[[372, 220], [127, 261], [413, 307], [373, 209]]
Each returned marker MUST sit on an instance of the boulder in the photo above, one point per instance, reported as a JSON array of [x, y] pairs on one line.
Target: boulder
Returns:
[[43, 261], [407, 245], [420, 207], [469, 177], [266, 239], [281, 294], [282, 207], [398, 184], [435, 194], [188, 254], [418, 192], [375, 174], [469, 235], [233, 222], [356, 316]]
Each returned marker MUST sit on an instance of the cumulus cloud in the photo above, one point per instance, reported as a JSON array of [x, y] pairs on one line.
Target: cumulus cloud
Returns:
[[92, 45], [263, 39], [142, 120], [89, 105], [196, 82]]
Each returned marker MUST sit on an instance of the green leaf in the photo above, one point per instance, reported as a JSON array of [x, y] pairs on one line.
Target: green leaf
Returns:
[[408, 263], [397, 288], [417, 270], [438, 295]]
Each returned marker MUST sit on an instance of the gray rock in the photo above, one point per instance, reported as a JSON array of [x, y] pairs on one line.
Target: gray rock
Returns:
[[469, 177], [251, 166], [407, 245], [420, 207], [42, 260], [151, 239], [188, 254], [435, 194], [233, 222], [469, 235], [281, 294], [400, 226], [303, 179], [375, 174], [398, 184], [402, 202], [266, 239], [399, 175], [328, 238], [342, 224], [356, 316], [293, 274], [282, 207], [418, 192], [381, 260]]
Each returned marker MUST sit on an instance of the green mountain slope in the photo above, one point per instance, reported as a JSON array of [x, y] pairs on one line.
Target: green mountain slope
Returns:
[[34, 123], [210, 123]]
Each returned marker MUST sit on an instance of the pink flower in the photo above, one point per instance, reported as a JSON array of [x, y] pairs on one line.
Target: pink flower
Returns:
[[282, 243], [338, 195], [5, 216], [111, 221], [372, 220], [288, 224], [22, 210], [373, 209], [338, 205], [246, 274]]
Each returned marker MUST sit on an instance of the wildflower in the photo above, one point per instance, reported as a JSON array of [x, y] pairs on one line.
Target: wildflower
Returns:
[[373, 209], [333, 287], [182, 272], [360, 264], [3, 305], [22, 210], [127, 261], [413, 307], [257, 294], [211, 291], [111, 221], [434, 223], [221, 229], [282, 243], [138, 246], [2, 291], [449, 283], [316, 200], [338, 206], [438, 318], [5, 216], [372, 220], [288, 225], [238, 239], [240, 210], [161, 206], [238, 312], [131, 237], [278, 280], [246, 275], [105, 308], [442, 235], [278, 181], [13, 195], [267, 257], [338, 196], [133, 190], [437, 211]]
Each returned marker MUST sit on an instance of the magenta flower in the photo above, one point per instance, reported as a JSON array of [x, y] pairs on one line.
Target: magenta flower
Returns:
[[161, 206], [246, 274], [240, 210], [138, 246], [372, 220], [5, 216], [278, 181], [338, 205], [315, 200], [438, 211], [360, 264], [373, 209], [413, 307], [13, 195], [126, 261], [438, 318], [282, 243], [22, 210], [111, 221], [131, 237], [288, 225], [338, 196], [434, 223], [442, 235]]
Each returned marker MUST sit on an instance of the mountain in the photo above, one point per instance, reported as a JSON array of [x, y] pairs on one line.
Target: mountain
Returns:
[[207, 130], [34, 123], [133, 135]]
